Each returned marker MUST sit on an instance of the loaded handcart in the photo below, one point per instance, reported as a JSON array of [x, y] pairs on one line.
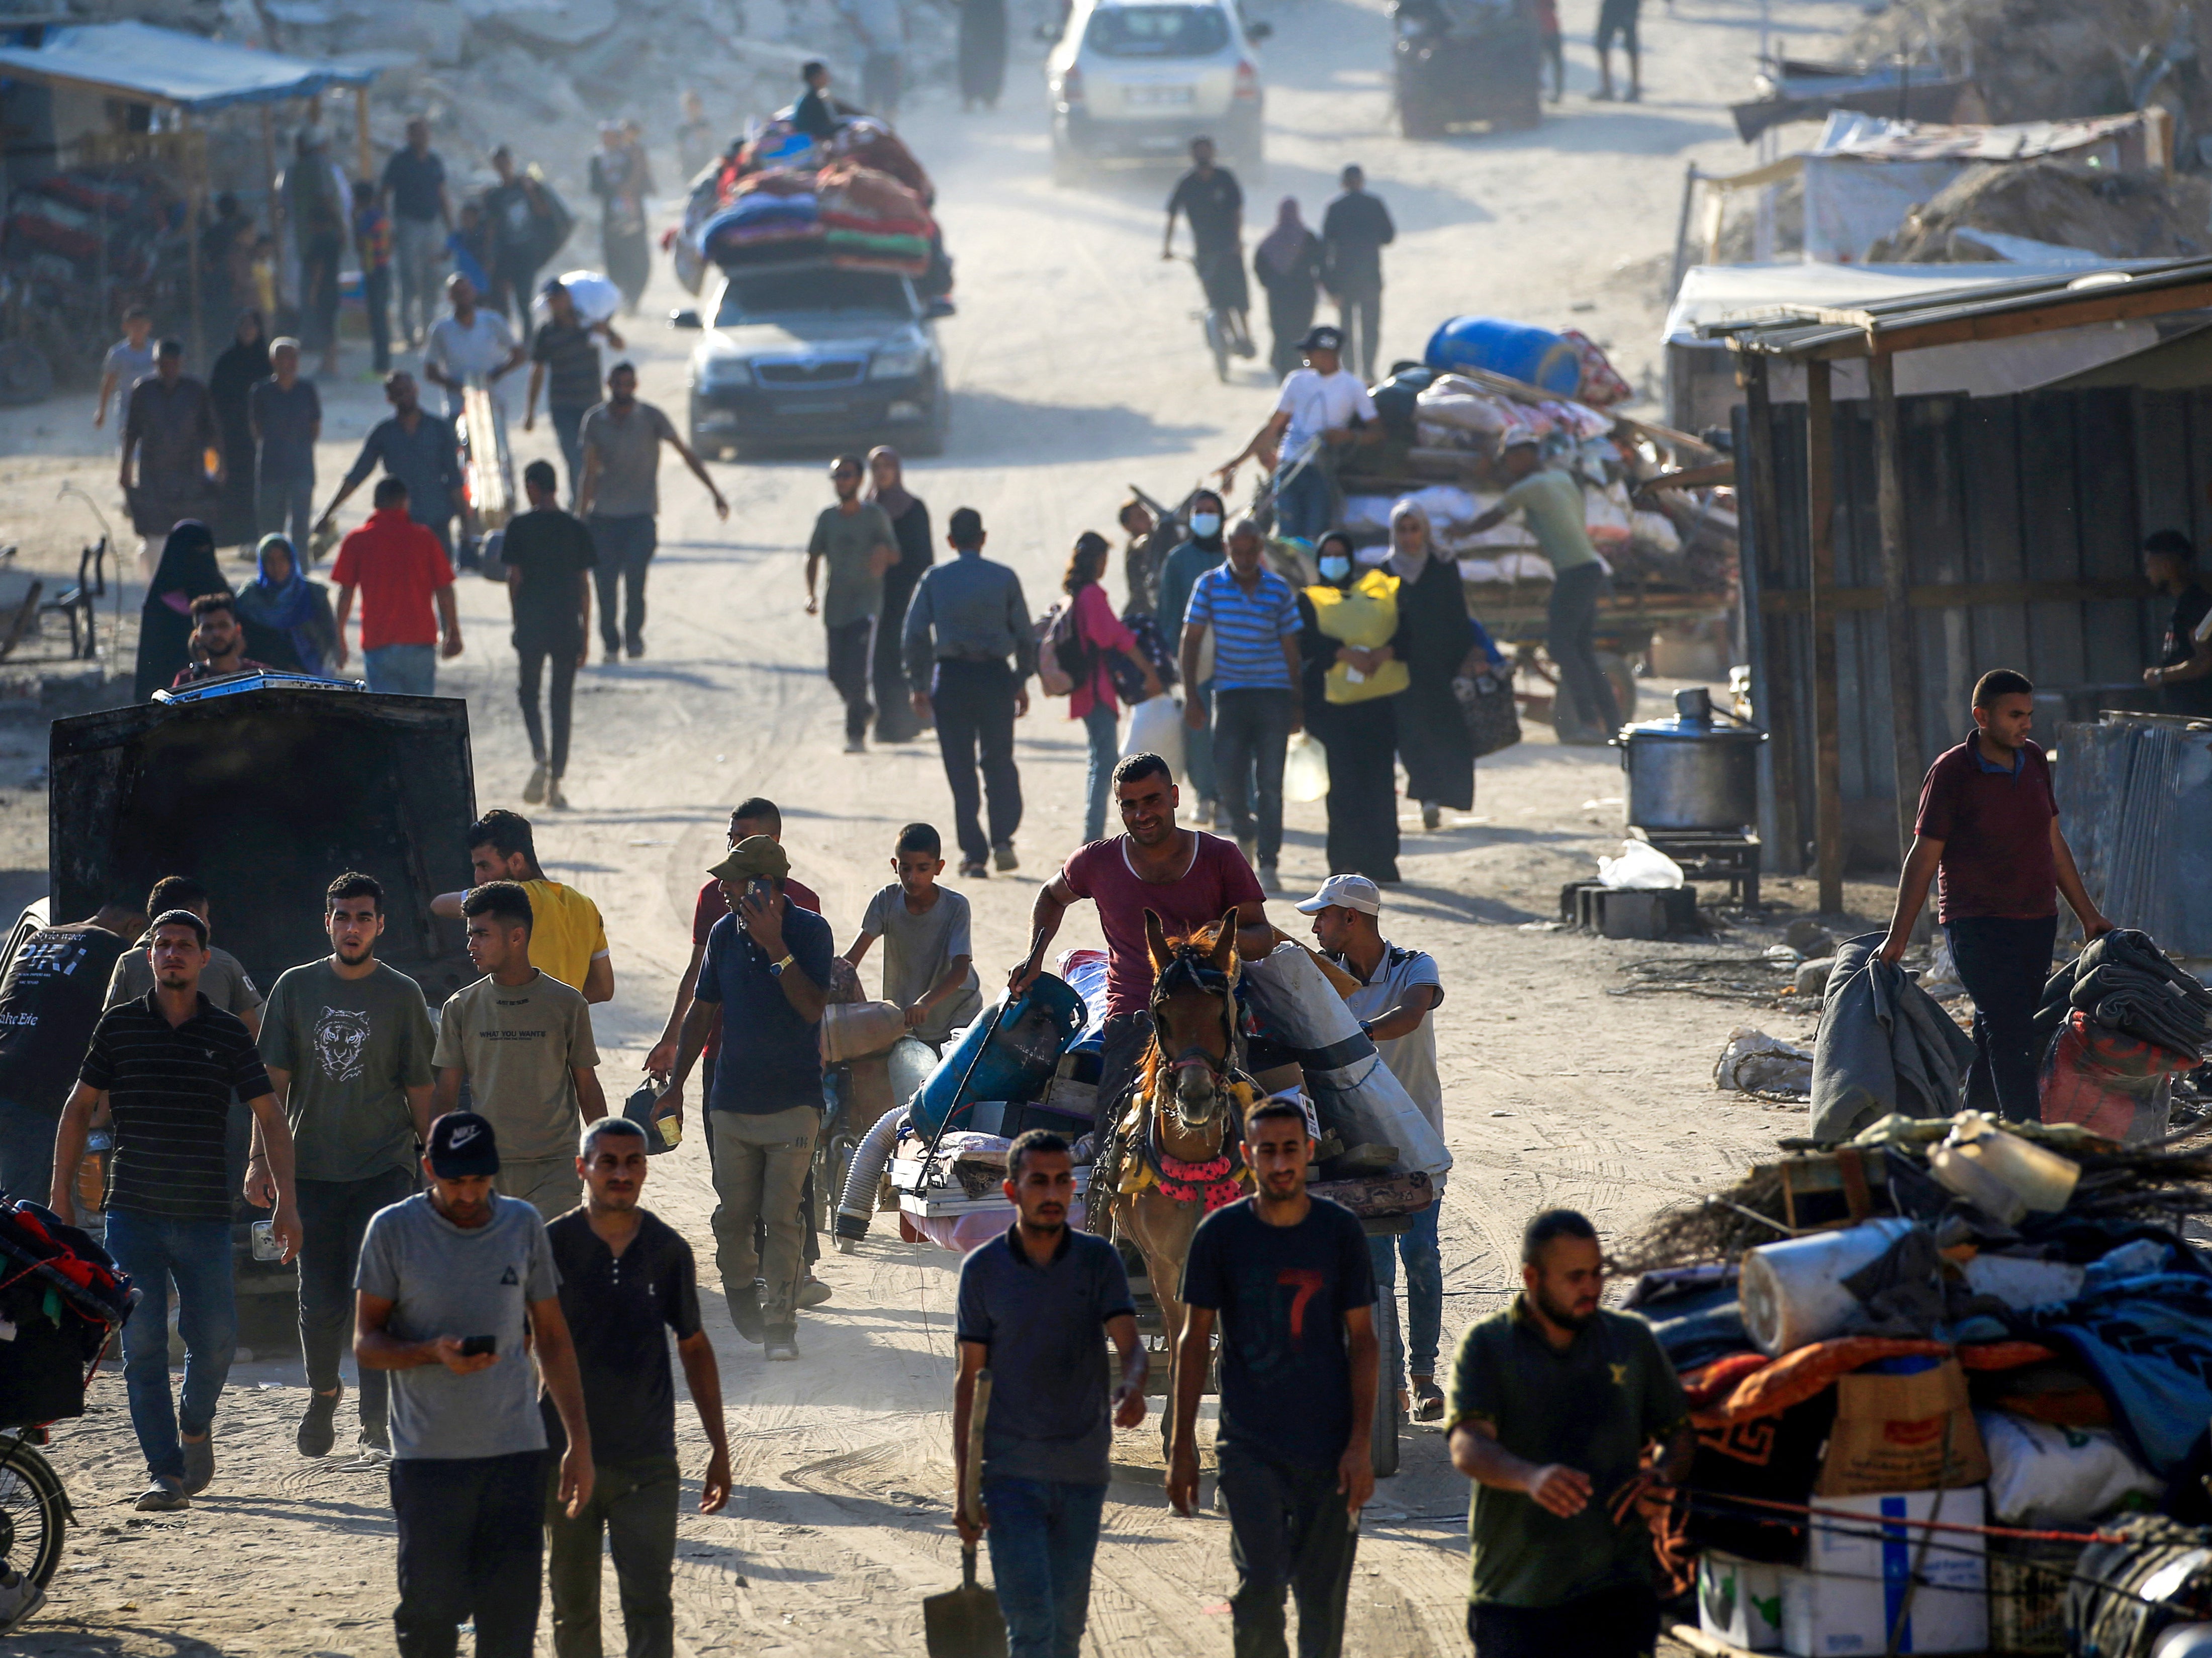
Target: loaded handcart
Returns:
[[62, 1303]]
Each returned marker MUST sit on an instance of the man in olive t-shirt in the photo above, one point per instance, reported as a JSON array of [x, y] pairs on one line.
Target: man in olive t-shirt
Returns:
[[855, 535], [1553, 1403], [522, 1040], [347, 1041], [224, 980]]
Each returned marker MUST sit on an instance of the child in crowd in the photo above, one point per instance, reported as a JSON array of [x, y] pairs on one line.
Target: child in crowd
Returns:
[[928, 961], [371, 239]]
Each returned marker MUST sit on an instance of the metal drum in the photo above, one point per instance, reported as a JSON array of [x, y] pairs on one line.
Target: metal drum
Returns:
[[1698, 770]]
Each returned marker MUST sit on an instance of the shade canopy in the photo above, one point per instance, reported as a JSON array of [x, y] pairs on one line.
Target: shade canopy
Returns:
[[139, 61]]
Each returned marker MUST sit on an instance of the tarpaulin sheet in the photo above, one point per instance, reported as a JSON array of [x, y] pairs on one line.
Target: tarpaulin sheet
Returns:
[[1884, 1045], [171, 67], [2147, 1341]]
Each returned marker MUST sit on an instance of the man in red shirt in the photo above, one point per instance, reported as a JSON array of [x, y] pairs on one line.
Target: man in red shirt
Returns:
[[400, 570], [1187, 877], [1988, 824]]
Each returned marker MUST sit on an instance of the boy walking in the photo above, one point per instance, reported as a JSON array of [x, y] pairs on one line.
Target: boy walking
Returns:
[[348, 1044], [457, 1297], [928, 961], [522, 1040], [1287, 1277], [627, 1282], [1031, 1304]]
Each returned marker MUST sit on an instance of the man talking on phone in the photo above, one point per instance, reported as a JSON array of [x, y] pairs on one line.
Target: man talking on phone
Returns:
[[762, 984], [457, 1291]]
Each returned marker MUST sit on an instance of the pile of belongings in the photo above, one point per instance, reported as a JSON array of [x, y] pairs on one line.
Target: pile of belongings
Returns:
[[2116, 1024], [91, 224], [62, 1299], [860, 201], [1993, 1325]]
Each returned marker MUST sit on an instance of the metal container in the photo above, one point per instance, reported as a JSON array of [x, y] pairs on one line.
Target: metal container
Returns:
[[1697, 771]]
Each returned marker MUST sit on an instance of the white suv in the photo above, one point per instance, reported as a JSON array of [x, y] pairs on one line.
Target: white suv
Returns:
[[1142, 78]]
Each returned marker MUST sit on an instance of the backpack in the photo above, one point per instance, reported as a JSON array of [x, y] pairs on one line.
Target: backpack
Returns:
[[1064, 658]]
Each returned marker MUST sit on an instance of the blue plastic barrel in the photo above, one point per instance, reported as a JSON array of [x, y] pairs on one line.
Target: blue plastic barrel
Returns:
[[1025, 1049], [1534, 356]]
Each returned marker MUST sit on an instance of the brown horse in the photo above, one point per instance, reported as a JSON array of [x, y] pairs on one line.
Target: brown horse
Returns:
[[1175, 1140]]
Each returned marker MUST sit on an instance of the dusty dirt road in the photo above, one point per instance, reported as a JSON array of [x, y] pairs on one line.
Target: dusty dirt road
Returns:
[[1077, 372]]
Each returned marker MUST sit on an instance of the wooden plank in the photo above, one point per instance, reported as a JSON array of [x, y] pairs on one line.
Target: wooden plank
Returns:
[[2118, 303], [1780, 716], [2051, 537], [2113, 647], [1988, 434], [1904, 657], [1935, 485], [1946, 595], [1828, 730]]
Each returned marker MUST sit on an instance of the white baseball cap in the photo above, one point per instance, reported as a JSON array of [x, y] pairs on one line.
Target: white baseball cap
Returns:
[[1350, 891]]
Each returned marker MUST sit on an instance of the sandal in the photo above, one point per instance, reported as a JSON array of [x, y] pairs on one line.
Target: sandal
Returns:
[[1428, 1402]]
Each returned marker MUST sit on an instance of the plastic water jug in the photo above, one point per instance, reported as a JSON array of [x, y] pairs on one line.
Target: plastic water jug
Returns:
[[852, 1031], [1013, 1054], [1534, 356], [1792, 1293], [2001, 1174]]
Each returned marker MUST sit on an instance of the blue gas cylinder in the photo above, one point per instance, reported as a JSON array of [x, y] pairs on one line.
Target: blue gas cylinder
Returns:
[[1534, 356], [1017, 1049]]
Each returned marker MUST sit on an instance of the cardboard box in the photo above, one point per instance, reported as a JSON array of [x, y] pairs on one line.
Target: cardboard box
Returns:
[[1739, 1601], [1889, 1434], [1852, 1587]]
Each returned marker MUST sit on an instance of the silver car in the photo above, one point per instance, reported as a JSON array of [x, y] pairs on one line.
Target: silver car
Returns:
[[1141, 78]]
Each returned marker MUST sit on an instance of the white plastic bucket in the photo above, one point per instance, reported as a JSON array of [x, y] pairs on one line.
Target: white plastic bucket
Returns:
[[1792, 1293]]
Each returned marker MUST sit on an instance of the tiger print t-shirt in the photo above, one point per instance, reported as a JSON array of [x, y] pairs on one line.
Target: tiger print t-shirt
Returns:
[[352, 1048]]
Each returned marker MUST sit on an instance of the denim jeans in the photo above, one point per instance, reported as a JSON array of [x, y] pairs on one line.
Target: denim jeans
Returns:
[[1043, 1535], [1251, 730], [472, 1535], [633, 1507], [531, 662], [1287, 1530], [1103, 724], [1359, 318], [1570, 636], [973, 706], [26, 1152], [286, 506], [334, 1217], [1198, 748], [2003, 963], [418, 249], [1425, 1292], [196, 1254], [1305, 503], [376, 299], [625, 547], [568, 432], [402, 669]]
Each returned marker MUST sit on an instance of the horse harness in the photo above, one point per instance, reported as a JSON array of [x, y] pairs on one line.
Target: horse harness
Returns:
[[1221, 1178]]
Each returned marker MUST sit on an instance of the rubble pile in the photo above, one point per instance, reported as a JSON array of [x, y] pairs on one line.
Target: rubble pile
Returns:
[[2053, 59], [2123, 215]]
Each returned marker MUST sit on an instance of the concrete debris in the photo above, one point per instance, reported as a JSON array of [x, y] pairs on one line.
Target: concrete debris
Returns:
[[2136, 216], [1756, 1063]]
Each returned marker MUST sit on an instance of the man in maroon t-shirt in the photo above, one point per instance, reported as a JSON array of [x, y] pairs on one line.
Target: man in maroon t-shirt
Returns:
[[1186, 878], [1988, 824]]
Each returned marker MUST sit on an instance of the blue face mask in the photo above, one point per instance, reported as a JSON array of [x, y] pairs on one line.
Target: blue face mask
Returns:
[[1204, 526], [1336, 568]]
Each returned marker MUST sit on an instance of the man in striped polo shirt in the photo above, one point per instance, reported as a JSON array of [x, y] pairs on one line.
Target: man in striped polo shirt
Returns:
[[165, 1064], [1254, 614]]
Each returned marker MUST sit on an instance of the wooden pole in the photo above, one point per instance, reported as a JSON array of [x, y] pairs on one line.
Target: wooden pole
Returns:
[[1827, 735], [1779, 714], [362, 150], [195, 196], [1896, 605]]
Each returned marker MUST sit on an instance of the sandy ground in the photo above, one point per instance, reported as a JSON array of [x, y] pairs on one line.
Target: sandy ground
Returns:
[[1077, 372]]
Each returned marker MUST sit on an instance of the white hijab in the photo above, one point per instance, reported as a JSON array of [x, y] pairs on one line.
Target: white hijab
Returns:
[[1408, 566]]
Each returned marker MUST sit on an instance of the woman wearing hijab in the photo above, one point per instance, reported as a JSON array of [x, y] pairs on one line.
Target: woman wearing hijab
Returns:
[[1179, 574], [1353, 682], [287, 617], [983, 52], [1438, 642], [244, 362], [187, 570], [1103, 635], [1287, 261], [894, 717]]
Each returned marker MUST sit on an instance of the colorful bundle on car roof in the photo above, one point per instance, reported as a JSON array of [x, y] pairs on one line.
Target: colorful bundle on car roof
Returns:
[[872, 221]]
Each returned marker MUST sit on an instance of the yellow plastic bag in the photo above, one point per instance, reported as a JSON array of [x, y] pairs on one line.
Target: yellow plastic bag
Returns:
[[1363, 616]]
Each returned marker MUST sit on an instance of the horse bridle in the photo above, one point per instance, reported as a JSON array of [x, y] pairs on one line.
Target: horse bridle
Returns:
[[1193, 969]]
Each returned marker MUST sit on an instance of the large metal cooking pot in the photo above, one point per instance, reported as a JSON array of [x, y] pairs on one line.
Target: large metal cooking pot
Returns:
[[1697, 771]]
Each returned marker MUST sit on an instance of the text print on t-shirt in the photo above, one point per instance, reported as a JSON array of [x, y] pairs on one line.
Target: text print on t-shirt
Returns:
[[341, 1038]]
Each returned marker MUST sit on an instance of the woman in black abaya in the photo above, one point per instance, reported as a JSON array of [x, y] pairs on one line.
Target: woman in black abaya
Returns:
[[186, 571], [983, 52], [244, 362]]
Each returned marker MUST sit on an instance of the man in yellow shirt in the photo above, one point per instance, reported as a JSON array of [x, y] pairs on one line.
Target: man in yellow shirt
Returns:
[[568, 939]]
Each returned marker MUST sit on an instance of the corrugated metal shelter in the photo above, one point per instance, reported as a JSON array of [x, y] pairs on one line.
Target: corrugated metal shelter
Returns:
[[1895, 548]]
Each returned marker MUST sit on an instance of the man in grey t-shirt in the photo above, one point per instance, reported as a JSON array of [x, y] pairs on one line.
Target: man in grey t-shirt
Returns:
[[1399, 991], [621, 493], [224, 980], [347, 1041], [456, 1287], [855, 536], [928, 958]]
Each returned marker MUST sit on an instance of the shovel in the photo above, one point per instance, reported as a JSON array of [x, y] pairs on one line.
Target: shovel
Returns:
[[965, 1622]]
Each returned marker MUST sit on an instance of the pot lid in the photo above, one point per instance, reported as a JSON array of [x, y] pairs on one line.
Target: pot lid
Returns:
[[1676, 729]]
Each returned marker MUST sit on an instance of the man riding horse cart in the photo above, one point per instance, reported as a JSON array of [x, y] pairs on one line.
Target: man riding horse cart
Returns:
[[1153, 1161]]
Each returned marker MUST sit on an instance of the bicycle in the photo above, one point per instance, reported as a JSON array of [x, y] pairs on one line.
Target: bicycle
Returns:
[[1220, 338], [35, 1519]]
